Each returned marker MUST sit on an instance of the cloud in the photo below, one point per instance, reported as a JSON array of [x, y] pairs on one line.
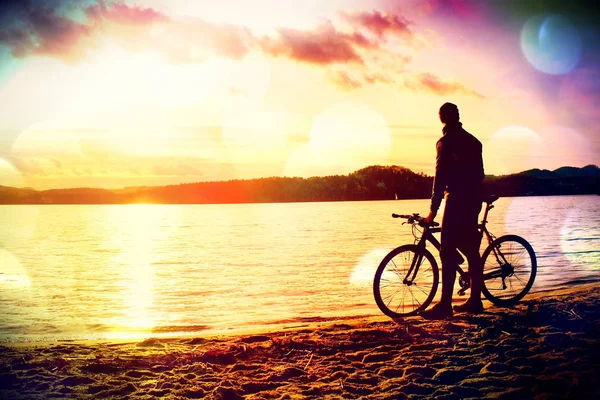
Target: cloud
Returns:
[[44, 28], [379, 23], [346, 81], [376, 78], [324, 45], [121, 13], [28, 166], [193, 39], [41, 28], [432, 83]]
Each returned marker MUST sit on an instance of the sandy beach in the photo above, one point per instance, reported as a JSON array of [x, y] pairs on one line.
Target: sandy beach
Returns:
[[546, 347]]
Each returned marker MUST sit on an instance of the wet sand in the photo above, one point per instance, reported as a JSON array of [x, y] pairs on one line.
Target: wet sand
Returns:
[[546, 347]]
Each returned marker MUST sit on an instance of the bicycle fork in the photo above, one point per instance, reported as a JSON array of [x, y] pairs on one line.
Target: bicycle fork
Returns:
[[412, 271]]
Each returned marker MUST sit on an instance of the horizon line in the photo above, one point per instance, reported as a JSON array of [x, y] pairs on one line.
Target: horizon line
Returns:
[[281, 177]]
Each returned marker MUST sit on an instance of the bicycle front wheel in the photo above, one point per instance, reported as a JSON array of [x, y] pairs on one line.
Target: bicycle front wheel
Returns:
[[509, 269], [406, 281]]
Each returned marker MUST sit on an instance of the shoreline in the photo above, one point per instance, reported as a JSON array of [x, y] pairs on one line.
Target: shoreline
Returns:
[[315, 322], [275, 202], [548, 346]]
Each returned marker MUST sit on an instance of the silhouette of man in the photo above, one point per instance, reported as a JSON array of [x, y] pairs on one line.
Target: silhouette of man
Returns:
[[459, 173]]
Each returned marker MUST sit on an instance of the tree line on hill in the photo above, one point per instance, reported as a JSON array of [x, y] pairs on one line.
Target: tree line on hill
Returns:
[[370, 183]]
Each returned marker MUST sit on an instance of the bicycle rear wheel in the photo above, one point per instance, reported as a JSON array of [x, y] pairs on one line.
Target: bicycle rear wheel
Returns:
[[398, 291], [509, 269]]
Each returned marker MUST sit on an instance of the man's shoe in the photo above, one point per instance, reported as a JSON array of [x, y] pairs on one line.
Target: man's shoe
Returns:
[[470, 307], [439, 311]]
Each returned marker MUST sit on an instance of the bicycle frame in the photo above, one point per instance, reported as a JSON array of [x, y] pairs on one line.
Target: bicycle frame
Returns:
[[428, 237]]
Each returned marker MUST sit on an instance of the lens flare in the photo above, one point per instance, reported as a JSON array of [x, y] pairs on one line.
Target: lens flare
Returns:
[[9, 175], [581, 87], [568, 146], [8, 64], [12, 273], [22, 220], [551, 44], [579, 245], [345, 137], [364, 270], [513, 149]]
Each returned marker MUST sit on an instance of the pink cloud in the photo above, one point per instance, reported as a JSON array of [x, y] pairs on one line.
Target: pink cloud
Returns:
[[379, 23], [43, 31], [328, 45], [193, 39], [322, 46], [344, 81], [376, 78], [121, 13], [432, 83]]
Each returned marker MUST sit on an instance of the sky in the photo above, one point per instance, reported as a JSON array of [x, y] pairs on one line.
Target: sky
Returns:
[[114, 94]]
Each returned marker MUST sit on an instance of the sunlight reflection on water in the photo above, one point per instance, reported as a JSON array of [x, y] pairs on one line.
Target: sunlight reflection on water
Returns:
[[150, 270]]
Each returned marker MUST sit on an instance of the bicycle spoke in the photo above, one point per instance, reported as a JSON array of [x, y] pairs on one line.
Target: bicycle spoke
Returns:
[[422, 291], [519, 279], [391, 295], [391, 298], [396, 270], [398, 275], [417, 300], [402, 297], [520, 257]]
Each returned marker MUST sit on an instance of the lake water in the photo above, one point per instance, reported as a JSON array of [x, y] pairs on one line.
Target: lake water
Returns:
[[122, 271]]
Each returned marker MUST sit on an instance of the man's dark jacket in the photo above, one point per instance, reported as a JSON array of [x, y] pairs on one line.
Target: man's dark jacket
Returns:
[[458, 165]]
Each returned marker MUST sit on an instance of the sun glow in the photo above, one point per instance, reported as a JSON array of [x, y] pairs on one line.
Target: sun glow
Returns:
[[9, 175], [513, 149], [180, 91], [345, 137]]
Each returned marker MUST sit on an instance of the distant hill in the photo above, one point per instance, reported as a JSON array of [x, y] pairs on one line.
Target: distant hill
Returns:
[[561, 181], [370, 183], [566, 172]]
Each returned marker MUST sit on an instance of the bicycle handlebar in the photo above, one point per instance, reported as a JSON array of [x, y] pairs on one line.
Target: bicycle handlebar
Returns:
[[411, 219]]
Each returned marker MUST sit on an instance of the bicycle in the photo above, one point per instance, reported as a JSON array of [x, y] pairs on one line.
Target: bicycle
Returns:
[[510, 266]]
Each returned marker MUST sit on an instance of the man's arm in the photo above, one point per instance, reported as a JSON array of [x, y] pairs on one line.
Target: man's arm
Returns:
[[480, 169], [439, 181]]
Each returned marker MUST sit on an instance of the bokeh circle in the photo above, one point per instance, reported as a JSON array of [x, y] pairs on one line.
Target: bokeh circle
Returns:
[[551, 44]]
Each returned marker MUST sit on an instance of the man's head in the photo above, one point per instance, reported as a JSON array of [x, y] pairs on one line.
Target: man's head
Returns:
[[449, 113]]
